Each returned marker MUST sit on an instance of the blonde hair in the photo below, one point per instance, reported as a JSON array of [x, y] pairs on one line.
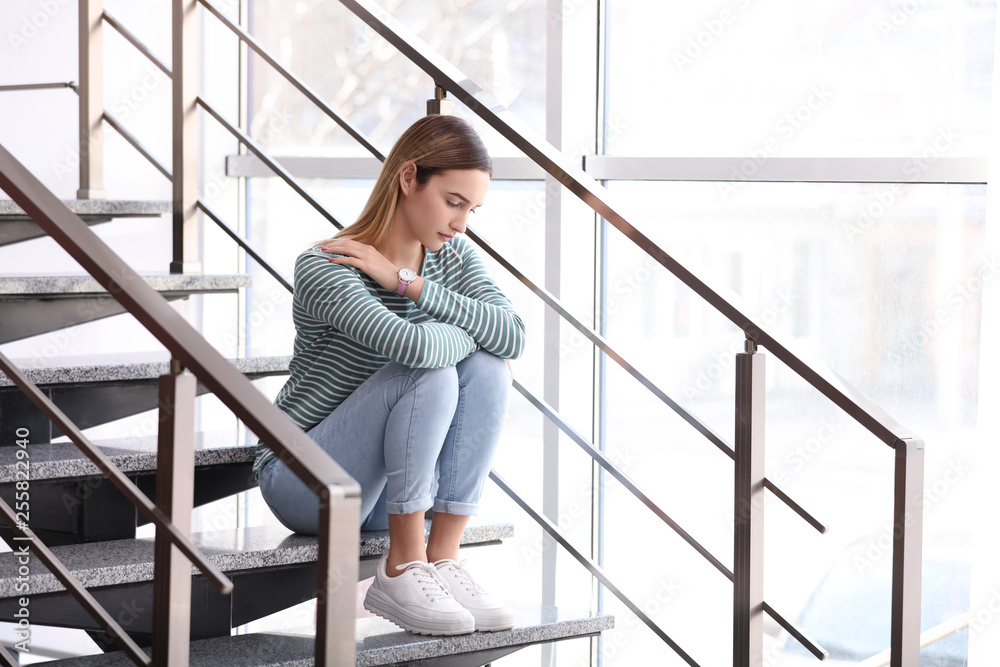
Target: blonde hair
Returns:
[[435, 144]]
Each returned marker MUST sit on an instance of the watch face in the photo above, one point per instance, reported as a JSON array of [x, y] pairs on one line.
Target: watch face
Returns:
[[409, 275]]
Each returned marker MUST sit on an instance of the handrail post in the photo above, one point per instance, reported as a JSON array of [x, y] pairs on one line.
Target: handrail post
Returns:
[[336, 577], [440, 105], [907, 538], [175, 497], [91, 90], [186, 251], [748, 516]]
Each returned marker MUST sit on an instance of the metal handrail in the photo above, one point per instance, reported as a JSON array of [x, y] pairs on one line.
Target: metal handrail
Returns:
[[37, 86], [292, 79], [488, 108]]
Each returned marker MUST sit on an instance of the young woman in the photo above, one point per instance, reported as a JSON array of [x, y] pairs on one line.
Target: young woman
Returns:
[[399, 375]]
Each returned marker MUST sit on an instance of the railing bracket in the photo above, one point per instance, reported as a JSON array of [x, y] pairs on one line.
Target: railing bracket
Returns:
[[440, 105]]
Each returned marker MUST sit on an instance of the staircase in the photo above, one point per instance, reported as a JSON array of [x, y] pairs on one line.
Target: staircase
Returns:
[[91, 526]]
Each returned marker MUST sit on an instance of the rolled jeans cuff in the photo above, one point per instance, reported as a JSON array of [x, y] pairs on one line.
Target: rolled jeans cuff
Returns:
[[409, 506], [452, 507]]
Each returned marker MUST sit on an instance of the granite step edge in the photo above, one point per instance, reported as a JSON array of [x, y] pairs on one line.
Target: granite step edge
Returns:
[[60, 460], [10, 210], [46, 286], [387, 645], [111, 371], [536, 624], [99, 564]]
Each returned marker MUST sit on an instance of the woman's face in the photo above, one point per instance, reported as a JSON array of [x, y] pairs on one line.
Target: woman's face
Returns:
[[435, 212]]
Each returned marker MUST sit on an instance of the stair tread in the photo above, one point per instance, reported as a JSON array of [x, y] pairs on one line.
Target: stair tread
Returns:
[[110, 368], [102, 208], [119, 562], [56, 460], [379, 642], [40, 285]]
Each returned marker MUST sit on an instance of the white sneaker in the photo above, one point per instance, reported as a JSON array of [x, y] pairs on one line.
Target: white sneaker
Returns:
[[490, 614], [417, 600]]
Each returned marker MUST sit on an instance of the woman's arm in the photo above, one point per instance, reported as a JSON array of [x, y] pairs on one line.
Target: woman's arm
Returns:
[[475, 304], [335, 294]]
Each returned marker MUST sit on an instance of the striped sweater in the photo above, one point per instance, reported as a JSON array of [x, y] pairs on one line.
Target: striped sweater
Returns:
[[347, 327]]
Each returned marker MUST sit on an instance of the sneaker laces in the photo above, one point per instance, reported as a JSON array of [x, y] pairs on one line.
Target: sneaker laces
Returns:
[[464, 575], [428, 578]]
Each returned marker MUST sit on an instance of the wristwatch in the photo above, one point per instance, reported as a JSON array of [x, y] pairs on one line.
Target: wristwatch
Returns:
[[406, 276]]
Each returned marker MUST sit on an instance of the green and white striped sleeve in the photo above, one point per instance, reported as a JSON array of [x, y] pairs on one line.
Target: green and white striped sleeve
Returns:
[[475, 304], [334, 293]]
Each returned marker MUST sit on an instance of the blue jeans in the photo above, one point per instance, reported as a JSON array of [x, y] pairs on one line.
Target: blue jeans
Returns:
[[413, 438]]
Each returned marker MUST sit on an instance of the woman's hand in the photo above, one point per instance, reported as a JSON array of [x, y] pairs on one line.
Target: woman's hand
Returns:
[[365, 258]]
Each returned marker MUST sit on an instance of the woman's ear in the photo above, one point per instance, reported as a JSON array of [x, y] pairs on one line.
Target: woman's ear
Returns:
[[408, 177]]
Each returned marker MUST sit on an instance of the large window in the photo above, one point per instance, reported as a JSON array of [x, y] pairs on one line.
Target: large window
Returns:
[[881, 275]]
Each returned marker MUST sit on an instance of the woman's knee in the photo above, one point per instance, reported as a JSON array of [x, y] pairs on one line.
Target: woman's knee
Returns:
[[486, 371], [442, 383]]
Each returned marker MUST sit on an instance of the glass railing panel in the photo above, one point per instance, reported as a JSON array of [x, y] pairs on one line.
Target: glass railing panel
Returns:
[[849, 79]]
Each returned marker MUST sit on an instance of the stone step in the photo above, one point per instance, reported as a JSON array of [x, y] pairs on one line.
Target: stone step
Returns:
[[16, 225], [271, 569], [61, 460], [72, 502], [96, 390], [382, 643], [32, 305]]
